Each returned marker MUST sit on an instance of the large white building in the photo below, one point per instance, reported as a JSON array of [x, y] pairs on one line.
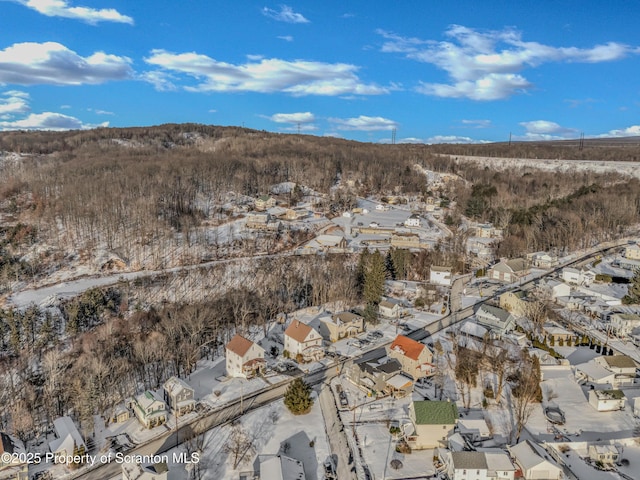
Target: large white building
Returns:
[[440, 276], [244, 358]]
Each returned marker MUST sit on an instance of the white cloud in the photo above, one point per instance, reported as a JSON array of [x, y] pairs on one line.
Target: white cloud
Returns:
[[272, 75], [48, 121], [286, 14], [52, 63], [543, 130], [486, 65], [632, 131], [477, 123], [61, 8], [286, 38], [364, 123], [101, 112], [302, 117], [546, 127], [212, 110], [452, 139], [13, 102]]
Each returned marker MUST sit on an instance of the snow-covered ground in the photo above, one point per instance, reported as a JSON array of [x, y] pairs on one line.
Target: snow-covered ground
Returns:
[[631, 169], [274, 430]]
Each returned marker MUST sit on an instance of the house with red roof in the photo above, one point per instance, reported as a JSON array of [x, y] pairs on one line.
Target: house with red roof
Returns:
[[416, 359], [302, 342], [244, 357]]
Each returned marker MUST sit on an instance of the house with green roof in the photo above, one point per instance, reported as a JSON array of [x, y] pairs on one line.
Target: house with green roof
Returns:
[[433, 422], [150, 410]]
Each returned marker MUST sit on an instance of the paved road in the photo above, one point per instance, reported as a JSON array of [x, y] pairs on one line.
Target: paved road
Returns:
[[336, 434]]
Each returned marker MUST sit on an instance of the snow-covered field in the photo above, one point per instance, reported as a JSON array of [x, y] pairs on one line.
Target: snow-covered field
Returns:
[[626, 168]]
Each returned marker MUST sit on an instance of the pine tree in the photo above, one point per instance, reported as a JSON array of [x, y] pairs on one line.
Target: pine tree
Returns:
[[374, 276], [297, 398]]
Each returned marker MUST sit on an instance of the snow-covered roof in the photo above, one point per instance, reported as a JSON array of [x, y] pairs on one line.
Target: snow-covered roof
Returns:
[[527, 456], [594, 371], [282, 468], [400, 381], [68, 436], [498, 462], [175, 385]]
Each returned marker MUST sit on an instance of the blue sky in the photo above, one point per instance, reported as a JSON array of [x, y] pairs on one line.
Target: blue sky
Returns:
[[434, 71]]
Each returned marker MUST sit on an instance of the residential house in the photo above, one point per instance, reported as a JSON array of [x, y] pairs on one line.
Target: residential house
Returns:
[[474, 429], [331, 242], [632, 252], [150, 410], [406, 240], [498, 321], [373, 377], [487, 465], [629, 264], [244, 358], [262, 221], [622, 324], [487, 230], [145, 471], [15, 465], [515, 303], [120, 414], [433, 422], [622, 366], [69, 442], [302, 342], [416, 358], [543, 260], [412, 221], [553, 288], [280, 467], [578, 277], [440, 276], [264, 202], [604, 454], [556, 334], [341, 325], [179, 396], [509, 271], [534, 463], [389, 309], [295, 213], [593, 372], [607, 400]]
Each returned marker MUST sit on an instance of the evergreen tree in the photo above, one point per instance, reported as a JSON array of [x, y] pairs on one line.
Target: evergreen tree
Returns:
[[374, 276], [297, 398]]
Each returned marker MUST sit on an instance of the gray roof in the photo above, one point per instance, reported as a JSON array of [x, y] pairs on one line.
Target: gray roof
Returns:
[[501, 314], [620, 361], [469, 460]]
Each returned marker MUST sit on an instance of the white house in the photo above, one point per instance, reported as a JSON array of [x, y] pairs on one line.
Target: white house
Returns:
[[544, 260], [440, 276], [622, 324], [244, 358], [69, 441], [578, 277], [487, 465], [145, 471], [632, 252], [605, 454], [534, 463], [509, 271], [607, 400], [303, 342], [412, 221], [389, 309], [553, 288], [179, 396], [280, 467], [499, 321], [150, 410], [623, 368]]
